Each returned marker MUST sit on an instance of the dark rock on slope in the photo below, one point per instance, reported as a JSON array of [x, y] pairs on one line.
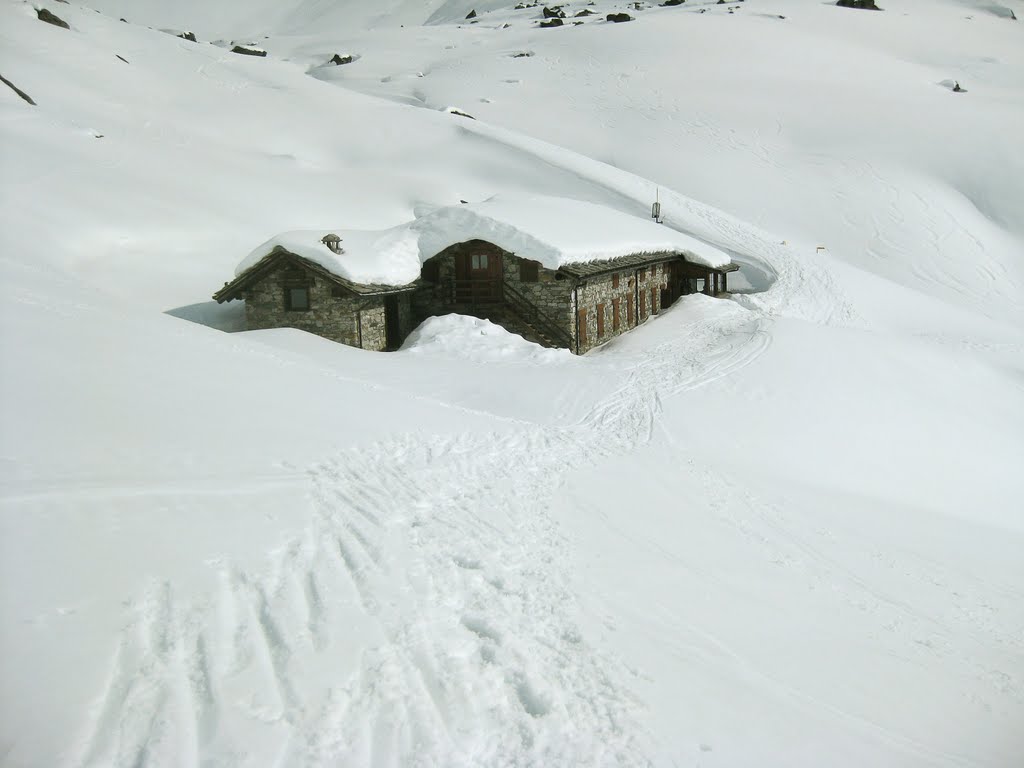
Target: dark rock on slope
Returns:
[[50, 18], [868, 5]]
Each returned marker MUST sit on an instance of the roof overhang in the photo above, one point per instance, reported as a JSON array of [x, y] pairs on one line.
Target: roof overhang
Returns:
[[280, 256], [638, 261]]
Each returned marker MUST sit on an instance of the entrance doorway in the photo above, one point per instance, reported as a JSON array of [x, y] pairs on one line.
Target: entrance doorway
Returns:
[[392, 322], [478, 277]]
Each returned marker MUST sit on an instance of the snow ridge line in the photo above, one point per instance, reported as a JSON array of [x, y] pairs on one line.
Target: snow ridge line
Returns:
[[440, 558]]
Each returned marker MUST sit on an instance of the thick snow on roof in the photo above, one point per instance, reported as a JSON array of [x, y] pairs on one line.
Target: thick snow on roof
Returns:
[[554, 231]]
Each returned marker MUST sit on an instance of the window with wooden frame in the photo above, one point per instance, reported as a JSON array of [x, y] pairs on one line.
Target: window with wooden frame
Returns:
[[600, 321], [337, 292], [479, 261], [615, 280], [529, 271], [296, 299]]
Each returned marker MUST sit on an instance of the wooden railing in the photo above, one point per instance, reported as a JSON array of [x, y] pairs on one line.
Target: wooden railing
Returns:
[[532, 314], [475, 291]]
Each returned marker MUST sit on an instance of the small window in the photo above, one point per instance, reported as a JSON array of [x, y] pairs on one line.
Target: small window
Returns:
[[479, 261], [615, 280], [529, 271], [298, 299], [338, 292]]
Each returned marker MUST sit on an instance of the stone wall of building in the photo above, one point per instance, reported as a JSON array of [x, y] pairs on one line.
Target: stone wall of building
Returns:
[[372, 325], [437, 294], [333, 313], [549, 294], [635, 293]]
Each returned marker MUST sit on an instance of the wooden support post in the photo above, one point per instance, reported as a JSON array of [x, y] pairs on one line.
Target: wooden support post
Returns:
[[725, 282]]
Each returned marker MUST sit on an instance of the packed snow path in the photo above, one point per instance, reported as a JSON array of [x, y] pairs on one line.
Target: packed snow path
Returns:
[[441, 559]]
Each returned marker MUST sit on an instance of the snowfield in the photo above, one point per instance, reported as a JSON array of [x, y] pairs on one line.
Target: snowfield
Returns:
[[778, 529]]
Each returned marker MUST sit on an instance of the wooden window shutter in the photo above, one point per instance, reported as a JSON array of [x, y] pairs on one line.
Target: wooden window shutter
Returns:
[[615, 280], [600, 321], [529, 271]]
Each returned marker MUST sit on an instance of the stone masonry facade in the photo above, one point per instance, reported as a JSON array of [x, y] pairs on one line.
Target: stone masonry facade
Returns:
[[544, 289], [585, 310], [608, 305], [437, 294], [333, 312]]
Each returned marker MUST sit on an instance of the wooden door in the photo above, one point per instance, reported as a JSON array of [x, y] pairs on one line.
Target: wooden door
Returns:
[[581, 333], [615, 315], [600, 321], [478, 276], [643, 305], [392, 323]]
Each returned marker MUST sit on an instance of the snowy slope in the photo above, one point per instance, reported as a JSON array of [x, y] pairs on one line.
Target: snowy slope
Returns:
[[780, 530]]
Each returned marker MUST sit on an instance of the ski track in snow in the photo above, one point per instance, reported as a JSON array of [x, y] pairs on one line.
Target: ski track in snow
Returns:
[[446, 551]]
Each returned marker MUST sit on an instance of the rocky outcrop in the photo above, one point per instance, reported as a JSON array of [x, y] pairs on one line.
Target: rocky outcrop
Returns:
[[17, 90], [50, 18], [868, 5], [248, 51], [618, 18]]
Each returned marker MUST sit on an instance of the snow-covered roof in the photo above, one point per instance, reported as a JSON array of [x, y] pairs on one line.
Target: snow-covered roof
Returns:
[[554, 231]]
